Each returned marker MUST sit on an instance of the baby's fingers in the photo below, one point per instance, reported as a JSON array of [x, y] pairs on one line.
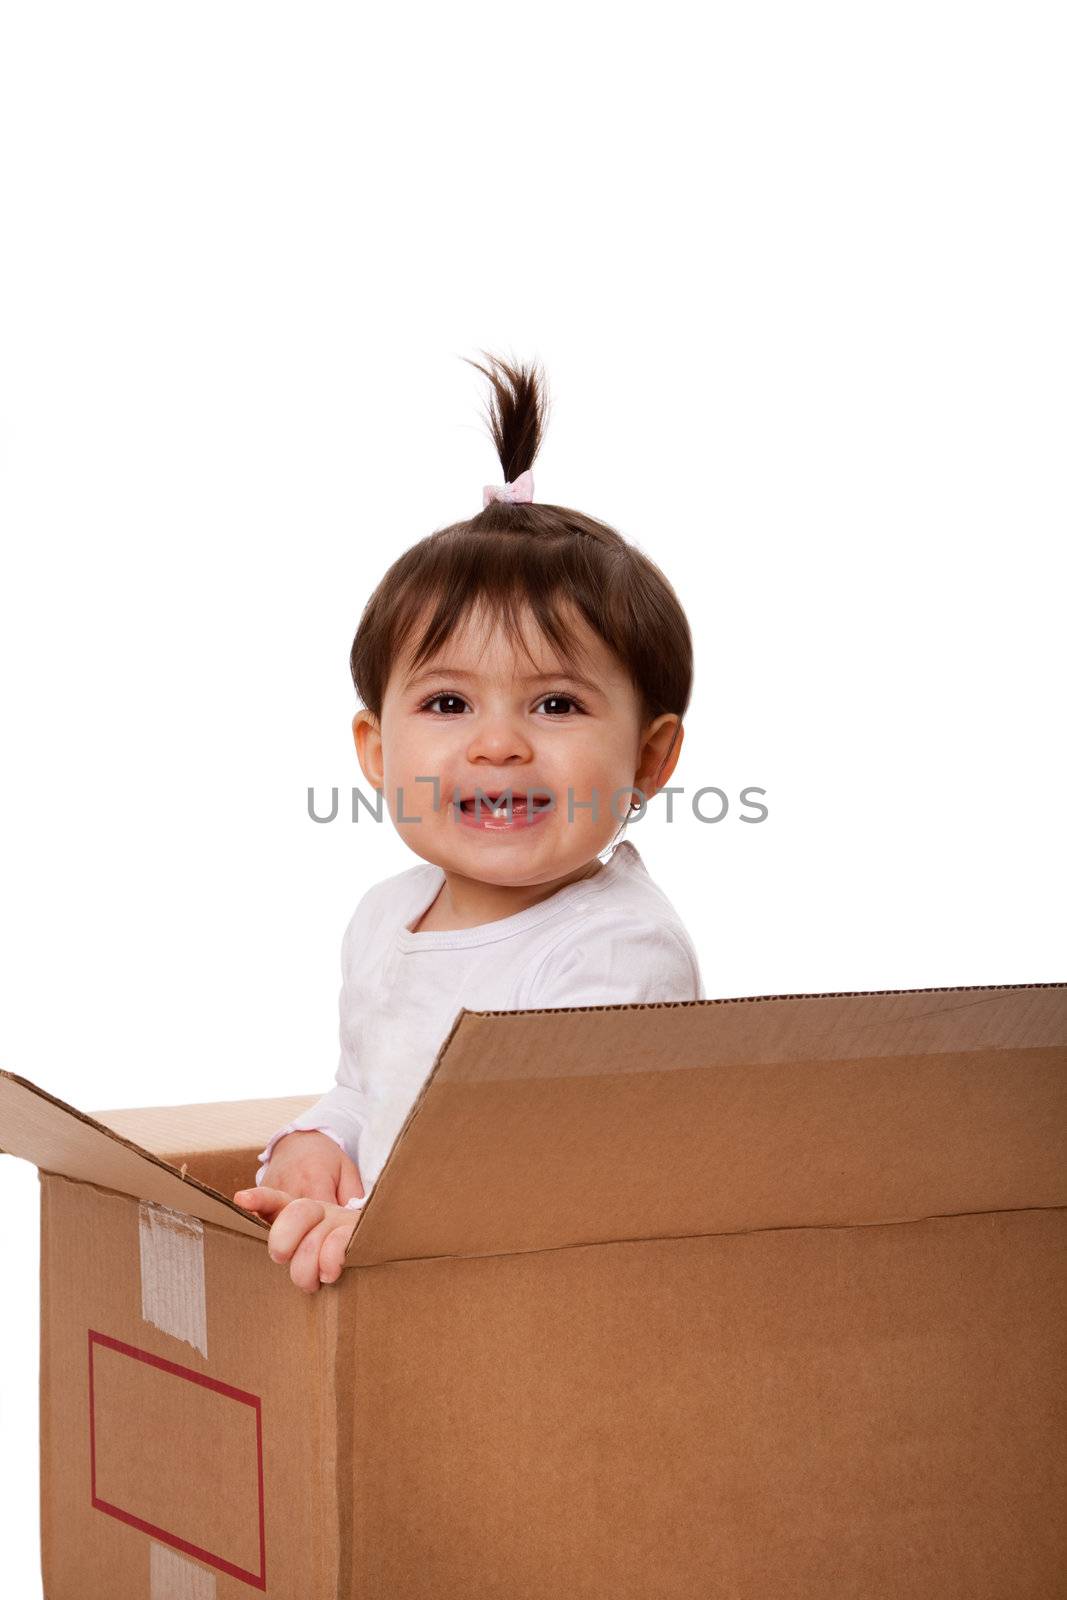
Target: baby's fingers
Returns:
[[332, 1252], [291, 1226], [267, 1203]]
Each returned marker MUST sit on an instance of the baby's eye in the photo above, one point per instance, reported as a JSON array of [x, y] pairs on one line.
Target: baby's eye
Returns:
[[444, 694], [558, 699]]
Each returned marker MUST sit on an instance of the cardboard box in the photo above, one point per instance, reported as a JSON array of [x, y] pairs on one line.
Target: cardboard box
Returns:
[[758, 1298]]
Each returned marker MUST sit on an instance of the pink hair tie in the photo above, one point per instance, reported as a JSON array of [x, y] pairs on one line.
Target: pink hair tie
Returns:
[[521, 489]]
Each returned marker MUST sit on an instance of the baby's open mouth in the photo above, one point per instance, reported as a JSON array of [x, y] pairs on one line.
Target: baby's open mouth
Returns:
[[494, 803]]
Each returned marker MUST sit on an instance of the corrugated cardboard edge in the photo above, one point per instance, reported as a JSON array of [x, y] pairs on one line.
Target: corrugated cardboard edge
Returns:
[[836, 994], [750, 999], [139, 1150]]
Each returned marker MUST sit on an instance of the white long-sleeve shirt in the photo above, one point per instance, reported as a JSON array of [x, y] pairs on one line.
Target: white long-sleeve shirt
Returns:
[[613, 938]]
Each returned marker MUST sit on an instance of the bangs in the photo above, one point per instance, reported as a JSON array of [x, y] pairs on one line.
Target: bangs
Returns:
[[521, 618], [521, 583], [535, 573]]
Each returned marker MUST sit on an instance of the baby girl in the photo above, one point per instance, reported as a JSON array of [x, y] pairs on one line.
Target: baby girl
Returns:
[[524, 676]]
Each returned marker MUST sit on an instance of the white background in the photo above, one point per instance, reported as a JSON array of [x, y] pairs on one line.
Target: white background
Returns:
[[796, 275]]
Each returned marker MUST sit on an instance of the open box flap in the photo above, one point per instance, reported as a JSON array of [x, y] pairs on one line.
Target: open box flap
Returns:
[[541, 1129], [58, 1138]]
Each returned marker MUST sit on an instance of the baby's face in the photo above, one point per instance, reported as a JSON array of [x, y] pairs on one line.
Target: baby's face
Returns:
[[481, 716]]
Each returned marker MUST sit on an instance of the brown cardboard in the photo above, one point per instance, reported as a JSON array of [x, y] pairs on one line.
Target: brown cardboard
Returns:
[[539, 1130], [60, 1139], [752, 1298]]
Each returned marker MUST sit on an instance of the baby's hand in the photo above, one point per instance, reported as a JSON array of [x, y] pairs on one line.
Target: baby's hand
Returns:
[[308, 1163], [311, 1235]]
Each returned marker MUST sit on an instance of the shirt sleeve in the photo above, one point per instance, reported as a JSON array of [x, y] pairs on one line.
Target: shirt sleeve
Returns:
[[633, 965], [342, 1112]]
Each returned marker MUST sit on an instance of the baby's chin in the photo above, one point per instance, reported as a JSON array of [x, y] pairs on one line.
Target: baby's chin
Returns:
[[543, 852], [511, 864]]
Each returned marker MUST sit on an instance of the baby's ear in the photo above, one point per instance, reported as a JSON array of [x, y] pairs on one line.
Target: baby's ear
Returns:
[[367, 735]]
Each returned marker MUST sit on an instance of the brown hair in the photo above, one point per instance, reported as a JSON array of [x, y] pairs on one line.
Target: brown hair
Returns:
[[517, 555]]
